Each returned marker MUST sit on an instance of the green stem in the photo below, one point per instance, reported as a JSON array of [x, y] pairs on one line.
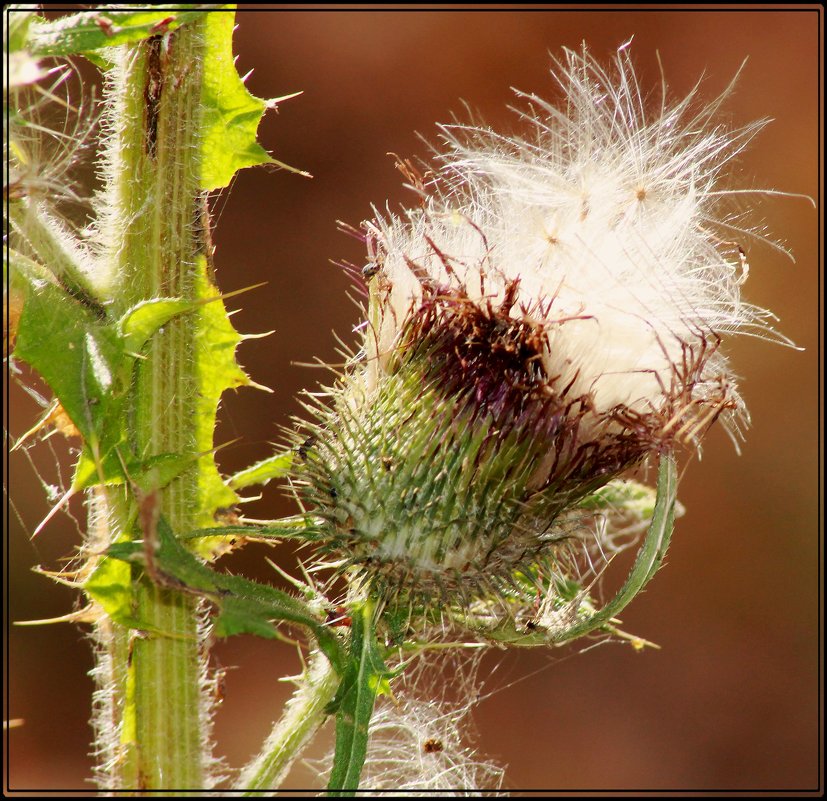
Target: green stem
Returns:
[[304, 713], [149, 229], [111, 718]]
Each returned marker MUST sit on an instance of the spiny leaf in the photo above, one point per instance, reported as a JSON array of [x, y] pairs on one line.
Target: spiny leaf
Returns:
[[244, 606], [217, 371], [152, 473], [260, 473], [79, 355], [86, 362], [110, 584], [231, 113], [140, 322]]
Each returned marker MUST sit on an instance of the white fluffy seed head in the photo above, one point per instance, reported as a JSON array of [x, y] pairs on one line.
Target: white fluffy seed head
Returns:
[[607, 214]]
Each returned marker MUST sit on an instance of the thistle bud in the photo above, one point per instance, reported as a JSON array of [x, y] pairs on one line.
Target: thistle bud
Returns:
[[547, 316]]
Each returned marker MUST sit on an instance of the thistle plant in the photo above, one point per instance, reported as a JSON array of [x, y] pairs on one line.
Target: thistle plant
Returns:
[[543, 326]]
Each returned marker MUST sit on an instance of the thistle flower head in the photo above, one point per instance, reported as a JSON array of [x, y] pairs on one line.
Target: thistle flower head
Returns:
[[549, 314]]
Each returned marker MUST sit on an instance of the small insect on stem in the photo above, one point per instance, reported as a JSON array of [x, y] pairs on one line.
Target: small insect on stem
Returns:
[[303, 448], [339, 617]]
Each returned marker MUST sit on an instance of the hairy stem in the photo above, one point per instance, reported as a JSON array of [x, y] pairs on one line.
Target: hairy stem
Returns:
[[149, 230], [304, 713]]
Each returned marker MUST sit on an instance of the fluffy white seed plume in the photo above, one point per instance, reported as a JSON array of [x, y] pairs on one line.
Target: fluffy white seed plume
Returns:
[[416, 748], [419, 741], [607, 215]]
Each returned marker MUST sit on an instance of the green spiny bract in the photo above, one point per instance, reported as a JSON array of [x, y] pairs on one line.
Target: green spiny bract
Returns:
[[441, 482]]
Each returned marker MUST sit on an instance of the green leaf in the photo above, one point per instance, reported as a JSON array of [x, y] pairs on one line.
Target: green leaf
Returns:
[[88, 31], [216, 371], [110, 584], [244, 606], [85, 361], [157, 471], [215, 341], [247, 607], [231, 115], [574, 612], [140, 322], [263, 471], [649, 557], [152, 473], [24, 272], [365, 677], [80, 356], [96, 468]]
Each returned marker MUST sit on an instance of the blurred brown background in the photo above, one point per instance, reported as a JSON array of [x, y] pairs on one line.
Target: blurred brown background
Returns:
[[730, 702]]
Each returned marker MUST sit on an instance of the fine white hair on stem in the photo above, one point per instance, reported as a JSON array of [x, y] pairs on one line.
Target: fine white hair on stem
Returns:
[[610, 216]]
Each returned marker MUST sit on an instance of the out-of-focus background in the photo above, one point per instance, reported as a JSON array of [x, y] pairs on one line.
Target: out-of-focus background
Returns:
[[730, 701]]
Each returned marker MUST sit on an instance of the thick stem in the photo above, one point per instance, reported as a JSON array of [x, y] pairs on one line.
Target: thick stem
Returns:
[[149, 231], [304, 713]]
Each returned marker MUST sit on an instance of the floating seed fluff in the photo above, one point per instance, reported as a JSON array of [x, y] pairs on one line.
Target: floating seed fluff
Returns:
[[547, 315]]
